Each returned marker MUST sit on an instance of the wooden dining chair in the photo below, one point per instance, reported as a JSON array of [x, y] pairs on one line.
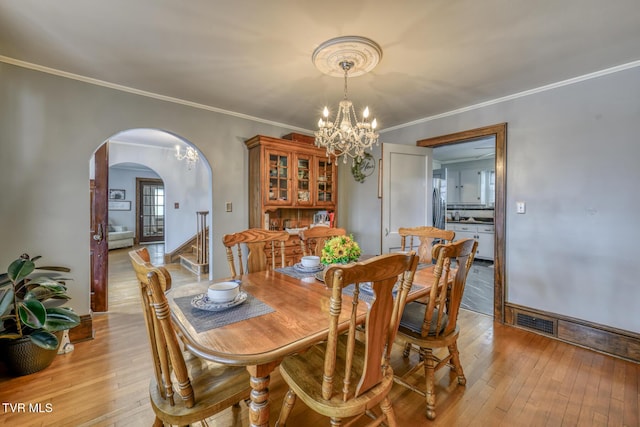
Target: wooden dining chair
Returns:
[[185, 388], [141, 262], [435, 325], [256, 240], [422, 239], [345, 377], [313, 239]]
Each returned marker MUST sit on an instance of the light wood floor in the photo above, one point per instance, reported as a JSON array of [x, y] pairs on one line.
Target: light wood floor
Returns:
[[514, 378]]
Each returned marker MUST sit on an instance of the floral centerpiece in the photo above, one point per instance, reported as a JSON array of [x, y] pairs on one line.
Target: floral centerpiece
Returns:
[[340, 250]]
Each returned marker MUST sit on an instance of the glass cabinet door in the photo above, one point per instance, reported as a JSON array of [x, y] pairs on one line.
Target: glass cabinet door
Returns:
[[325, 181], [303, 178], [278, 179]]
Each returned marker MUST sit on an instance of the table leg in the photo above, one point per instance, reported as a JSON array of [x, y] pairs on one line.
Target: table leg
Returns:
[[259, 408]]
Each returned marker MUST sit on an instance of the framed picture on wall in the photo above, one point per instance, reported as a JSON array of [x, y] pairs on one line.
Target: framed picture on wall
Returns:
[[119, 206], [116, 194]]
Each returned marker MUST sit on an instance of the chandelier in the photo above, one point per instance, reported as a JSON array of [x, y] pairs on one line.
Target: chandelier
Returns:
[[346, 136], [190, 155]]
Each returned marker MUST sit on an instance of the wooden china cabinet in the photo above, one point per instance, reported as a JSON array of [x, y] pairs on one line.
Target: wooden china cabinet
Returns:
[[290, 181]]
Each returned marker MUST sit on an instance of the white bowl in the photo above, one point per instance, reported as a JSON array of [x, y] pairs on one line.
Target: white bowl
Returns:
[[223, 291], [310, 261]]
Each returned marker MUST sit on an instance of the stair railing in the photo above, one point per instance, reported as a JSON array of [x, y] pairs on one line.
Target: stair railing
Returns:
[[202, 249]]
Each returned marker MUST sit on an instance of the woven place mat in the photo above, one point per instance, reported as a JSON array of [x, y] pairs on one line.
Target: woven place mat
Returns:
[[297, 274], [293, 272], [367, 297], [203, 320]]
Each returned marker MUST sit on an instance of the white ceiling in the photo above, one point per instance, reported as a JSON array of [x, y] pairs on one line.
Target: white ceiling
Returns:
[[479, 149], [253, 58]]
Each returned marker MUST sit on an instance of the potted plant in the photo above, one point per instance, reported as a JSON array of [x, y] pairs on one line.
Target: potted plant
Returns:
[[31, 315]]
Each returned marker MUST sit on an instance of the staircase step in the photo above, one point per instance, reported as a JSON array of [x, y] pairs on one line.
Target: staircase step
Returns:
[[188, 261]]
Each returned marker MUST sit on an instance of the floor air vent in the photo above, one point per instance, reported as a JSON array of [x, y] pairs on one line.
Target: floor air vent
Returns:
[[530, 322]]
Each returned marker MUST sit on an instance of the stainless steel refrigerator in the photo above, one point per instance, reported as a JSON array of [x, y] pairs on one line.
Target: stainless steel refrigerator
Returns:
[[439, 202]]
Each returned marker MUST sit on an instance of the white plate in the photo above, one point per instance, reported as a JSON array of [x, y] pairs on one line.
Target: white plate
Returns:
[[202, 302], [301, 268]]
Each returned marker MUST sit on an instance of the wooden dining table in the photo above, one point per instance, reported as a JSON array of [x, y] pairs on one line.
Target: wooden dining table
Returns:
[[297, 317]]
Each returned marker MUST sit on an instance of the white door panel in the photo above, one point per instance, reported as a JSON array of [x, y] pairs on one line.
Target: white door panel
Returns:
[[406, 189]]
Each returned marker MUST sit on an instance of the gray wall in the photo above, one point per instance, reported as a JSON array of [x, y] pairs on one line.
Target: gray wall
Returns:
[[572, 156], [125, 179], [49, 128], [189, 188]]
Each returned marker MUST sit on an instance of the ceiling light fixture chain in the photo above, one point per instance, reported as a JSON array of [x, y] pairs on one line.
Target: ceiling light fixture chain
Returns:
[[346, 136], [346, 66]]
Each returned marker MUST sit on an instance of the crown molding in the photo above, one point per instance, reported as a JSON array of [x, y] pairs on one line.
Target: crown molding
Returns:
[[522, 94], [135, 91], [122, 88]]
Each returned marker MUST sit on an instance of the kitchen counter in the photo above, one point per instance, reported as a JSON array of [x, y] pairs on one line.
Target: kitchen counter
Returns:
[[475, 221], [475, 228]]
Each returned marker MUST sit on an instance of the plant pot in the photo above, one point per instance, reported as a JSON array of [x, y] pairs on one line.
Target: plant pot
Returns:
[[23, 357]]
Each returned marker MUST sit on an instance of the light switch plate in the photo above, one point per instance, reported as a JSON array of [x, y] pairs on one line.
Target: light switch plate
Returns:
[[520, 207], [228, 206]]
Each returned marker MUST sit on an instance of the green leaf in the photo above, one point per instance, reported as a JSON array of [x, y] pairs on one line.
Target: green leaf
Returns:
[[6, 300], [32, 313], [42, 293], [20, 268], [60, 318], [39, 293], [44, 339], [58, 301], [54, 268], [4, 279], [48, 281]]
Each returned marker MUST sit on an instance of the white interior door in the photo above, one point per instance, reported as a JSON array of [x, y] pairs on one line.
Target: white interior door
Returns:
[[407, 185]]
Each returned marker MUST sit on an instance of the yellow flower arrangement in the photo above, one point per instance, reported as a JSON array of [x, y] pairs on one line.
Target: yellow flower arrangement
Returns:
[[340, 250]]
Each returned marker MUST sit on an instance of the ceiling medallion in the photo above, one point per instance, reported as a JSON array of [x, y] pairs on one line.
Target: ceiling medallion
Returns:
[[362, 52], [346, 136]]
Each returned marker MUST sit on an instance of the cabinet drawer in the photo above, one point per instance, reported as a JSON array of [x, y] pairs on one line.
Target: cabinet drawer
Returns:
[[464, 227], [484, 234], [292, 251]]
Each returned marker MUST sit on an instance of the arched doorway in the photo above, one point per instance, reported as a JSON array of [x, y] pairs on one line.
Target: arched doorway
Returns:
[[186, 190]]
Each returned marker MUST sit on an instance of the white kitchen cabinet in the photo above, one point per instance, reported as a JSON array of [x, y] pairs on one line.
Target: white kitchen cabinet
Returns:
[[486, 238], [464, 186], [483, 233], [470, 184], [453, 187], [464, 231]]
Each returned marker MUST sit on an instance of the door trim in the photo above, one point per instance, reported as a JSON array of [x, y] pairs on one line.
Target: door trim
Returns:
[[499, 131], [99, 249], [139, 227]]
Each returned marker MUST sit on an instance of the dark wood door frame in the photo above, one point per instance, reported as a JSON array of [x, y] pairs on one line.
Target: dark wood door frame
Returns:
[[99, 250], [499, 131]]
